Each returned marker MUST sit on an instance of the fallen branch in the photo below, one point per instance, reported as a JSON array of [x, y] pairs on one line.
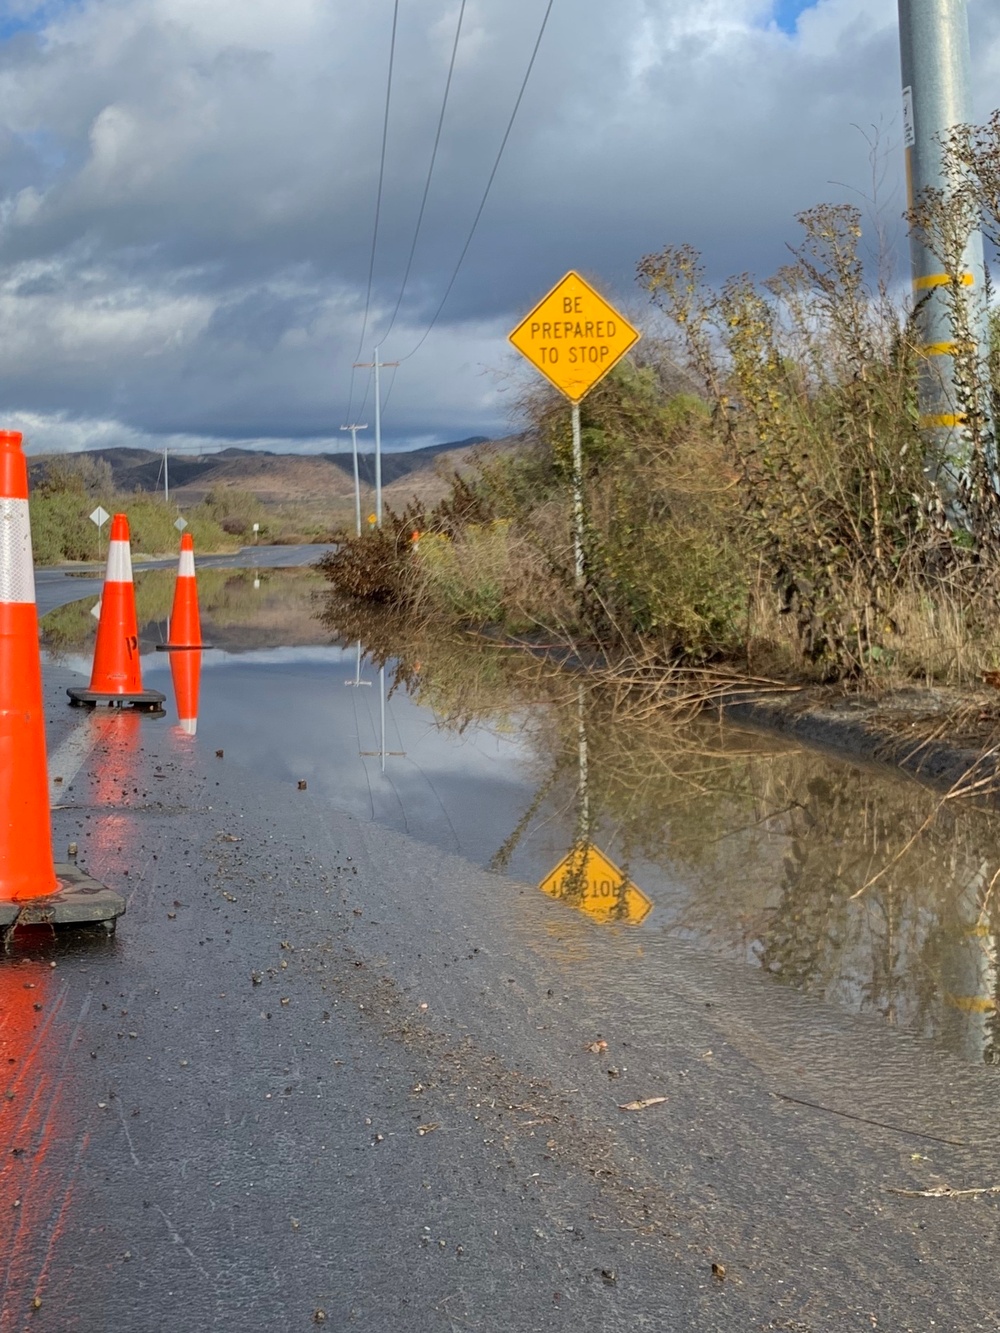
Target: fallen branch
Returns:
[[943, 1192]]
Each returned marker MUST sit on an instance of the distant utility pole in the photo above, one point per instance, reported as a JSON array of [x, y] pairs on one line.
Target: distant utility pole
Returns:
[[377, 365], [936, 65], [357, 480], [166, 477]]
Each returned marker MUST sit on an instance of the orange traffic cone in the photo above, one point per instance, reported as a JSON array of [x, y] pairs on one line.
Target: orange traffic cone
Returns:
[[116, 678], [185, 671], [185, 623], [32, 888], [26, 865]]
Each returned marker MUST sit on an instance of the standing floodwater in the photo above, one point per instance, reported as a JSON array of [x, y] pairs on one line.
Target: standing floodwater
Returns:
[[842, 879]]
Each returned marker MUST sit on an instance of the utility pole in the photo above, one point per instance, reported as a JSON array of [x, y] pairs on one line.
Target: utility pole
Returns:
[[377, 365], [357, 480], [936, 64], [166, 478]]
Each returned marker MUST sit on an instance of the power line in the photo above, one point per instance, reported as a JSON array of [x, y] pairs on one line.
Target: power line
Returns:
[[430, 170], [388, 392], [489, 185], [378, 195], [364, 401]]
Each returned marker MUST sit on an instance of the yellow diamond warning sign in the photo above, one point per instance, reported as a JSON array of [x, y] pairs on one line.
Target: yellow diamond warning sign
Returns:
[[588, 880], [574, 337]]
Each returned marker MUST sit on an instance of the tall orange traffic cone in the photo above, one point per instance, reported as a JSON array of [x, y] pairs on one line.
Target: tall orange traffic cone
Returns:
[[32, 887], [185, 671], [116, 678], [26, 866], [185, 623]]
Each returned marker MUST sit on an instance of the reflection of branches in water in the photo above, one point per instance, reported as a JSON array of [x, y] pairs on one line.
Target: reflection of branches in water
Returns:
[[501, 858], [978, 779]]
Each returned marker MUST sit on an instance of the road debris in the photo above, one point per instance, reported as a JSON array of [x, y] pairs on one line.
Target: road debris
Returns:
[[944, 1192], [642, 1104]]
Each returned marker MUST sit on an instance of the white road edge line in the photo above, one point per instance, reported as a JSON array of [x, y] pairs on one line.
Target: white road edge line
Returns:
[[68, 758]]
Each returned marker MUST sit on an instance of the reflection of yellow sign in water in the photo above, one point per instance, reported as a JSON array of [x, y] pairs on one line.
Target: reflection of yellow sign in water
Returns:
[[574, 337], [588, 880]]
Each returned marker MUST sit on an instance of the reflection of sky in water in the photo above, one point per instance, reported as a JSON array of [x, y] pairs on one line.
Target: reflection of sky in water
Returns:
[[290, 713]]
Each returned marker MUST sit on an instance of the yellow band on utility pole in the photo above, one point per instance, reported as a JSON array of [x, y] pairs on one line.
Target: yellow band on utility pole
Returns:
[[925, 284], [948, 421], [946, 349], [971, 1004]]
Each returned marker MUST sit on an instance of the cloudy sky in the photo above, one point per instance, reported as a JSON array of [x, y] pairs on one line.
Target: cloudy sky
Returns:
[[188, 192]]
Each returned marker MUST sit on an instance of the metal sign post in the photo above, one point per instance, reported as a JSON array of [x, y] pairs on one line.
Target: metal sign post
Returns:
[[574, 337]]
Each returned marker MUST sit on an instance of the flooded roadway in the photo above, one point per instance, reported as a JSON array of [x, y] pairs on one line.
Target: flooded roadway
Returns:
[[343, 1063]]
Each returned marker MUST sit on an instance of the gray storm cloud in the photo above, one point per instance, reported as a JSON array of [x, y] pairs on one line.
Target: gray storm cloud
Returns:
[[187, 191]]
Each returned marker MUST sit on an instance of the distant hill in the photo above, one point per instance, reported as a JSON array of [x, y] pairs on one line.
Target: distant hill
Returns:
[[306, 496], [274, 477]]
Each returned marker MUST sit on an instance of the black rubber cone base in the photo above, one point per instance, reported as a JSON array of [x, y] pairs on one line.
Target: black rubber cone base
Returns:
[[182, 647], [79, 901], [145, 701]]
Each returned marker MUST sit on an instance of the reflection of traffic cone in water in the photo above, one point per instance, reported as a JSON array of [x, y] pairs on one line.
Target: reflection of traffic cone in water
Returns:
[[116, 736], [32, 888], [185, 671], [117, 675], [185, 623], [26, 866]]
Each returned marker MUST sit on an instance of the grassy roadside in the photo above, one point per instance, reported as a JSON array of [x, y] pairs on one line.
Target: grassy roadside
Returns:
[[74, 485], [761, 499]]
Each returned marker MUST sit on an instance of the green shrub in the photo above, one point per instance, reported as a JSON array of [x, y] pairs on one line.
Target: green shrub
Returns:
[[236, 511], [61, 528], [466, 577]]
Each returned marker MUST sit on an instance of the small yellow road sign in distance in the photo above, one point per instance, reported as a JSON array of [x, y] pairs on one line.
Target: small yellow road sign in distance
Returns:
[[588, 880], [574, 337]]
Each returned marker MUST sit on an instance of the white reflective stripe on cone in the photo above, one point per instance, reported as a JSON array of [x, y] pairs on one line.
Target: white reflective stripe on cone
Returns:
[[189, 725], [185, 569], [17, 573], [119, 563]]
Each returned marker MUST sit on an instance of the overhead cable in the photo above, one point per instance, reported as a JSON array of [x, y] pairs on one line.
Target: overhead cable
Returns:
[[430, 170], [489, 185], [378, 195]]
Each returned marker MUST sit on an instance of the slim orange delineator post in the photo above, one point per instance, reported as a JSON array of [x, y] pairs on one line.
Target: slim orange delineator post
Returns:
[[116, 678], [185, 623], [32, 887]]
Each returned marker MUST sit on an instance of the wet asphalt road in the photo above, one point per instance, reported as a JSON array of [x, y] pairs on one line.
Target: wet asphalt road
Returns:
[[326, 1073]]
